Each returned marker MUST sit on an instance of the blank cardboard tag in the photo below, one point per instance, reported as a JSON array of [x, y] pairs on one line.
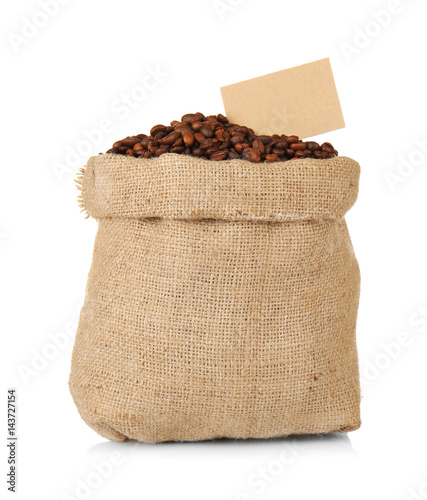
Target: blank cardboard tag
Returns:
[[302, 100]]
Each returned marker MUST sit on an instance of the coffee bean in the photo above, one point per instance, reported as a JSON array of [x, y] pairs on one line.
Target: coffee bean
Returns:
[[130, 141], [327, 147], [219, 155], [221, 118], [298, 146], [320, 154], [272, 157], [242, 130], [188, 138], [196, 126], [291, 139], [199, 137], [207, 143], [275, 140], [152, 144], [222, 135], [188, 117], [265, 139], [156, 129], [252, 155], [225, 145], [258, 144], [180, 127], [213, 137], [207, 131], [312, 146], [217, 125], [171, 138], [277, 151], [237, 138], [233, 155], [211, 150], [299, 154], [161, 150], [158, 136]]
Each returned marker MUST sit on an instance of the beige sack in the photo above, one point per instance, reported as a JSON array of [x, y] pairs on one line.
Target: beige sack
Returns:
[[221, 301]]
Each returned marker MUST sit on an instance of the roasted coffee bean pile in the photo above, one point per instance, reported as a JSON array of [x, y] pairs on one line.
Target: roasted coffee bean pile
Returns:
[[213, 137]]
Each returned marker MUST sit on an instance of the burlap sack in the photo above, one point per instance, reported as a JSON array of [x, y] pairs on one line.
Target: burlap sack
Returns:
[[221, 301]]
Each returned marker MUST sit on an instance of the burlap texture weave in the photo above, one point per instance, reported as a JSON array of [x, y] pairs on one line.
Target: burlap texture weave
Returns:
[[221, 300]]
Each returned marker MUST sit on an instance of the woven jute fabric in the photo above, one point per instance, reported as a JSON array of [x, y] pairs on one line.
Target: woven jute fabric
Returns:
[[221, 300]]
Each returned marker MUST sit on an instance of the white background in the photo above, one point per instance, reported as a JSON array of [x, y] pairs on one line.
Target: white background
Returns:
[[69, 75]]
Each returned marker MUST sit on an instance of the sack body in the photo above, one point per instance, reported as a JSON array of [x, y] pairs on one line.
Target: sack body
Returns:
[[221, 300]]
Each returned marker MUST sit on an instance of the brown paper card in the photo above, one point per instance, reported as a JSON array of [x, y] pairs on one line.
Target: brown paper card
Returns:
[[302, 100]]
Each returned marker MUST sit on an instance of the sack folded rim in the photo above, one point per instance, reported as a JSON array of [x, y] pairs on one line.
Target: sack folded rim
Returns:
[[176, 186]]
